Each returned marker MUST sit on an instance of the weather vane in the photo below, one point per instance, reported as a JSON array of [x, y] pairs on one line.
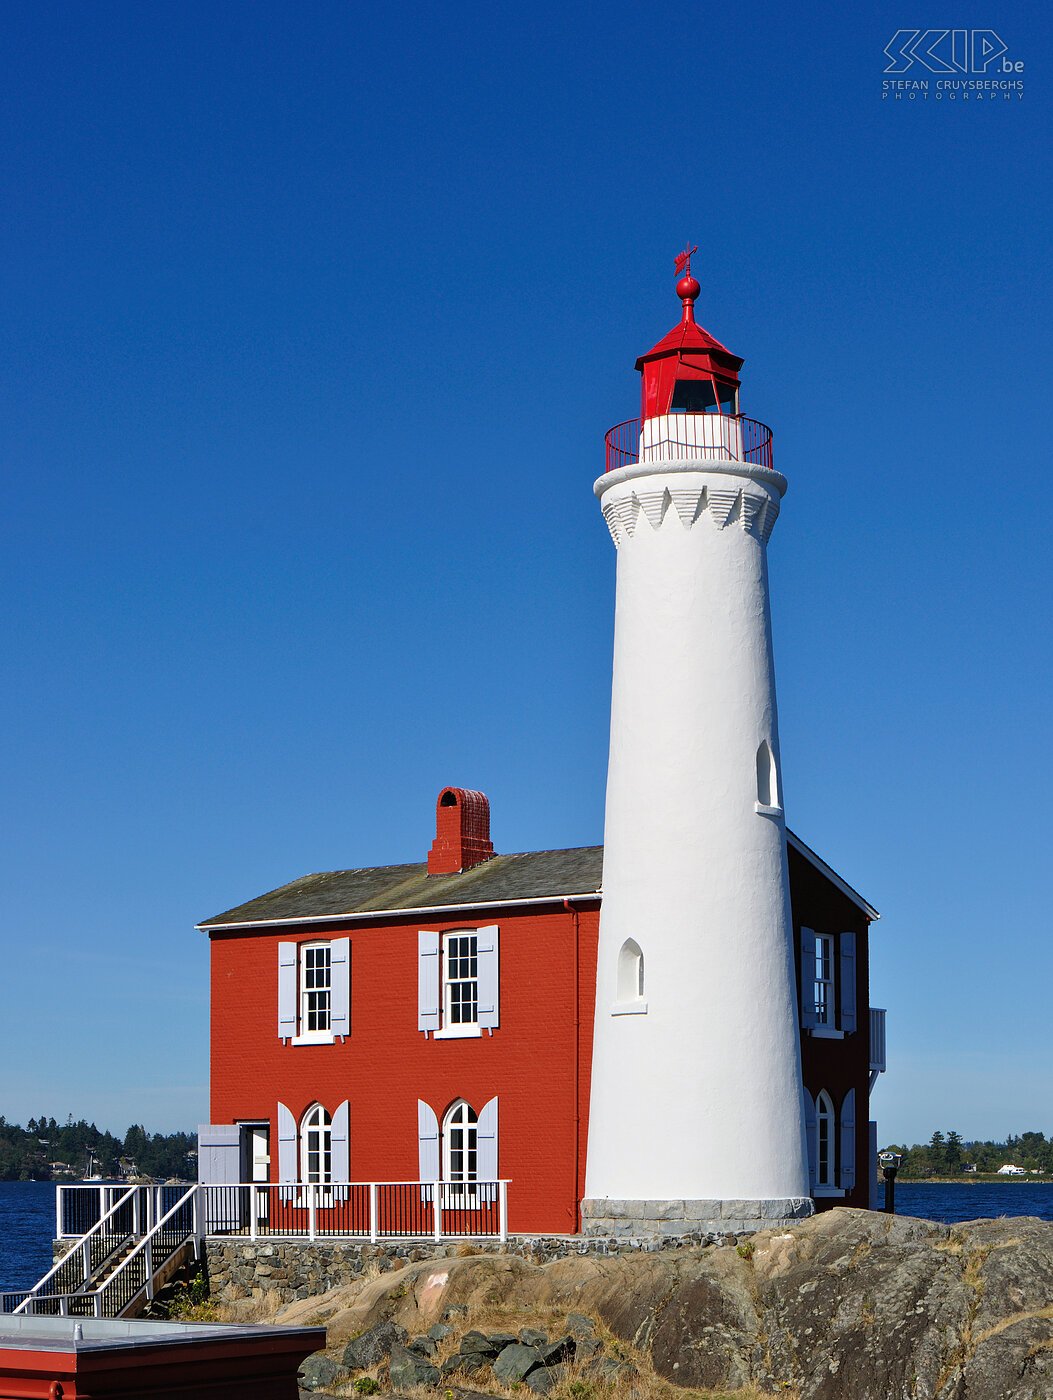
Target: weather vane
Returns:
[[683, 260]]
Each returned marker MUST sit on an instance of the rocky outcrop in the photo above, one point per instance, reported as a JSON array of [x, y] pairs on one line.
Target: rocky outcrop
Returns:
[[850, 1305]]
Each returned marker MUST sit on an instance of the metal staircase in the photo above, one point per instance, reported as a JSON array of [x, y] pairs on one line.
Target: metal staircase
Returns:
[[117, 1266]]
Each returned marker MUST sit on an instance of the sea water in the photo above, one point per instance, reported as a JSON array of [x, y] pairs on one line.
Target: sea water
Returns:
[[27, 1224], [27, 1215]]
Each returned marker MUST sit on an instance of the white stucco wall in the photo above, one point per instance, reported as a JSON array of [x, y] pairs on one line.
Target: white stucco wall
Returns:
[[698, 1097]]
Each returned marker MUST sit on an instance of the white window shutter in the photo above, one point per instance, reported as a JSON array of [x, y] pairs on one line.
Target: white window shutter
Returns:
[[486, 1144], [807, 977], [427, 981], [487, 944], [286, 990], [427, 1145], [811, 1130], [341, 1146], [219, 1164], [848, 982], [218, 1154], [340, 987], [287, 1149], [846, 1175]]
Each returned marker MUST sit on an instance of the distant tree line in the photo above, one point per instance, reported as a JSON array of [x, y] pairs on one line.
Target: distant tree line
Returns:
[[40, 1150], [947, 1154]]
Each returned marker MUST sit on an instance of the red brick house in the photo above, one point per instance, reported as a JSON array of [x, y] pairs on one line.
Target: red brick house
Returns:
[[434, 1022]]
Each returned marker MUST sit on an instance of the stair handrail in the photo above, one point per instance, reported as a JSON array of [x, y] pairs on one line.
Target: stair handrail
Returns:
[[78, 1245], [146, 1245]]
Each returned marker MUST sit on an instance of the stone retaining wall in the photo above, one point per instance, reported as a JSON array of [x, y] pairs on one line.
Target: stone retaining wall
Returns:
[[302, 1269]]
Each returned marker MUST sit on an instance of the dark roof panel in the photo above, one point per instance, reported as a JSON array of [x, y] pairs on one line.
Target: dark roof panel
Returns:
[[530, 875]]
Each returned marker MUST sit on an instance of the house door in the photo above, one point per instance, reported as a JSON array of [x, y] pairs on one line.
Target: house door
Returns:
[[257, 1158]]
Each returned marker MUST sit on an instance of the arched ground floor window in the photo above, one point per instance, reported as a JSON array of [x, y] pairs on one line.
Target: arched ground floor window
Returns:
[[316, 1146], [824, 1145], [460, 1147]]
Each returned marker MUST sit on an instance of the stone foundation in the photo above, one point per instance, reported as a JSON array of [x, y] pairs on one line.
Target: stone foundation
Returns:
[[648, 1220], [301, 1268]]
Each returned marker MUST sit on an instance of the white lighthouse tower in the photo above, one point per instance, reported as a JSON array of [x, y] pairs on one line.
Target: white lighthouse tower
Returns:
[[696, 1119]]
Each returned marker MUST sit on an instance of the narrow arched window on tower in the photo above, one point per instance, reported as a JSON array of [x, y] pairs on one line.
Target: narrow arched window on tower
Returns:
[[767, 776], [630, 972]]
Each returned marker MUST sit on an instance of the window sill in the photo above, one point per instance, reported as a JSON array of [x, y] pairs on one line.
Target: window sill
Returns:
[[457, 1033], [827, 1192], [318, 1038], [767, 811], [629, 1008], [826, 1033]]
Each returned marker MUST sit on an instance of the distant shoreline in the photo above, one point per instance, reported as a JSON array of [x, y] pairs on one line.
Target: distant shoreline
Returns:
[[974, 1179]]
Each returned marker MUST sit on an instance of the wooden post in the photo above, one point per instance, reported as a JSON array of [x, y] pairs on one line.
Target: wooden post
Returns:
[[437, 1208], [373, 1212], [312, 1212], [502, 1189]]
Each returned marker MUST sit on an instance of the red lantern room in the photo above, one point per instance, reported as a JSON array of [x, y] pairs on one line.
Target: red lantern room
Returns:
[[690, 398], [688, 371]]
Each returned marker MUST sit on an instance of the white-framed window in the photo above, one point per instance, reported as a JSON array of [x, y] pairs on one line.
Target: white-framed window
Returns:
[[828, 983], [824, 1141], [823, 986], [457, 984], [316, 1146], [460, 1150], [316, 988], [314, 991], [460, 979]]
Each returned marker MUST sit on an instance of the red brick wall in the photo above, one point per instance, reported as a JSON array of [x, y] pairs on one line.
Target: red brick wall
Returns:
[[537, 1062]]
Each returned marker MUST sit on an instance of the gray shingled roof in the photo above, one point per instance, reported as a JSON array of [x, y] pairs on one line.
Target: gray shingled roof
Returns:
[[530, 875], [499, 880]]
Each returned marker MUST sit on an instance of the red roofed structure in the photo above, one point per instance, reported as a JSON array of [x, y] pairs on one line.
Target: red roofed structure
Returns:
[[689, 370]]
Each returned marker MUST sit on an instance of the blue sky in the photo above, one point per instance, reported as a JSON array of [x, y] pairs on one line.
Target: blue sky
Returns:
[[314, 319]]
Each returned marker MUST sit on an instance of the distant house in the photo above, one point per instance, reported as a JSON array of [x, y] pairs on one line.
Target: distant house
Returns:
[[970, 1167], [1007, 1169]]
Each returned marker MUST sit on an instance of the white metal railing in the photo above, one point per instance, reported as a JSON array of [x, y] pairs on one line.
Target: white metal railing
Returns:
[[373, 1210], [93, 1280], [70, 1274], [138, 1272], [79, 1208], [112, 1286], [877, 1041]]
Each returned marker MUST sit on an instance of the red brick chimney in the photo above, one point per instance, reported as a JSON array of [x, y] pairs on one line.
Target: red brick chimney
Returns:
[[462, 831]]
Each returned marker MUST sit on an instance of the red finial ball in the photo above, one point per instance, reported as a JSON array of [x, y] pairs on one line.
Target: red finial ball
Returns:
[[688, 288]]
